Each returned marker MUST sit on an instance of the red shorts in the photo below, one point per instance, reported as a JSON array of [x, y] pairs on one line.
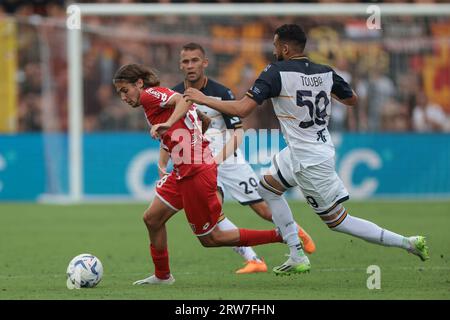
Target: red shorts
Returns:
[[197, 195]]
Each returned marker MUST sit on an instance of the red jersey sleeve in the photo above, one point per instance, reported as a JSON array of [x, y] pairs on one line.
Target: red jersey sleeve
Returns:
[[157, 97]]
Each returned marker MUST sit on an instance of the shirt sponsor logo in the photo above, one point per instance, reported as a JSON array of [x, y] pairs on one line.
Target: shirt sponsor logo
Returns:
[[157, 94]]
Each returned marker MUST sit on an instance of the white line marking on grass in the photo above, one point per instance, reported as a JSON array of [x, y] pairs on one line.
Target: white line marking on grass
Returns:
[[315, 270]]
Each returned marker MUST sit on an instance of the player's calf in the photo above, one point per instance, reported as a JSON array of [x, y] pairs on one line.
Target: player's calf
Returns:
[[262, 209], [337, 219], [272, 192]]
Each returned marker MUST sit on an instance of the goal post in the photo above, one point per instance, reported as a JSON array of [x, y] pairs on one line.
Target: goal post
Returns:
[[75, 40], [260, 9]]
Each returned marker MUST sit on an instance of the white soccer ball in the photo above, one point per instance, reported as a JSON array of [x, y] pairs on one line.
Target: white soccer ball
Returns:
[[84, 271]]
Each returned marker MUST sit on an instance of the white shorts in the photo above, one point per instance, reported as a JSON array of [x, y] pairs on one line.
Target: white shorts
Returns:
[[239, 181], [320, 184]]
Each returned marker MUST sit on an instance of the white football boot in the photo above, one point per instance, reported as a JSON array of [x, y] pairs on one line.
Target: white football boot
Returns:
[[154, 280]]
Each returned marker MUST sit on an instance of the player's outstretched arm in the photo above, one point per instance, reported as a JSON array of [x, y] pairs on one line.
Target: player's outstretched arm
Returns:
[[241, 108]]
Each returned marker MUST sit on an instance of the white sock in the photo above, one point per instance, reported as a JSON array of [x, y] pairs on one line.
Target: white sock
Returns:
[[370, 232], [283, 219], [246, 252]]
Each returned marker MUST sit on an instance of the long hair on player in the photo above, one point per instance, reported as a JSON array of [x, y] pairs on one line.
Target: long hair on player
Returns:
[[131, 73]]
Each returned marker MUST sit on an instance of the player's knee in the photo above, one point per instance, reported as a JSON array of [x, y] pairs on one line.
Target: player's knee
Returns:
[[216, 238], [151, 219], [334, 217], [147, 218], [269, 187], [207, 241]]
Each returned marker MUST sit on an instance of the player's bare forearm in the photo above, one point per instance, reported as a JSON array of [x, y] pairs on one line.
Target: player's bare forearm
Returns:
[[228, 107], [231, 146], [181, 108], [241, 108], [206, 121]]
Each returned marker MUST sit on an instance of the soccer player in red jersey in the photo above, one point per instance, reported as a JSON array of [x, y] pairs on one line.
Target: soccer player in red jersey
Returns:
[[192, 184]]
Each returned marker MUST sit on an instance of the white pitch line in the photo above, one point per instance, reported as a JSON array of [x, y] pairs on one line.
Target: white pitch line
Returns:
[[314, 270]]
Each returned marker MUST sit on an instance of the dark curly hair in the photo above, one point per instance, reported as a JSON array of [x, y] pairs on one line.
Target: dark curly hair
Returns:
[[292, 33]]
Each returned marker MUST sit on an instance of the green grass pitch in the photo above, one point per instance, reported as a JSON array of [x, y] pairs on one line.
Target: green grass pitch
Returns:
[[38, 241]]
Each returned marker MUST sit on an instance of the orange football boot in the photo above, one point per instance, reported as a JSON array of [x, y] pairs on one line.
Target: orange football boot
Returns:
[[308, 243], [253, 266]]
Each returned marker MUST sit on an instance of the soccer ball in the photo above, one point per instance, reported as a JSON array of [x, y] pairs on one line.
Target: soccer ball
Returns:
[[84, 271]]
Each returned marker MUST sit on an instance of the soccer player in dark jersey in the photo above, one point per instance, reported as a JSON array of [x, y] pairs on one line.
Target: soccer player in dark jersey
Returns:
[[301, 91], [192, 184], [225, 134]]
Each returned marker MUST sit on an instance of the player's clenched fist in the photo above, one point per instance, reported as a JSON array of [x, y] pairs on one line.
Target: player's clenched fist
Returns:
[[159, 129], [194, 95]]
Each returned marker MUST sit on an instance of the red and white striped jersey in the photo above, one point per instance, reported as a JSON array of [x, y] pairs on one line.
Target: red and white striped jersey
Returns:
[[184, 141]]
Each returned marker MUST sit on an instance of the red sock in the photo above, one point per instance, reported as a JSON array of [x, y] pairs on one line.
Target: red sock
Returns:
[[249, 238], [161, 261]]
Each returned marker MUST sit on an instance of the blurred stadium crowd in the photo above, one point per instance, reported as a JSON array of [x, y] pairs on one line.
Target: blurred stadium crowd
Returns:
[[401, 72]]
